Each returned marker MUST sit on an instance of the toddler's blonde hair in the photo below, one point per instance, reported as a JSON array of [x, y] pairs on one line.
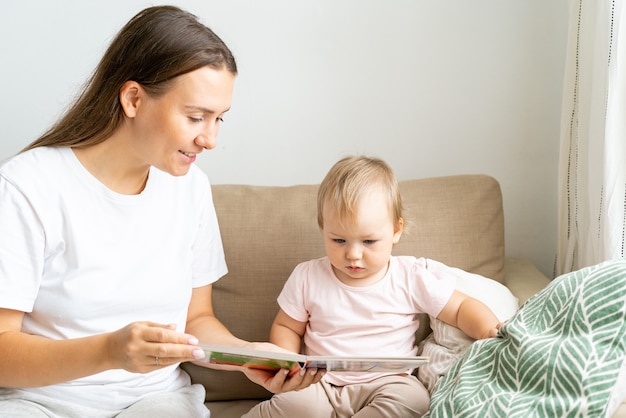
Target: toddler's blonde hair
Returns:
[[352, 177]]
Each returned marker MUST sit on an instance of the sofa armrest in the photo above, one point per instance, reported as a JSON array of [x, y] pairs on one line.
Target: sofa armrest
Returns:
[[523, 278]]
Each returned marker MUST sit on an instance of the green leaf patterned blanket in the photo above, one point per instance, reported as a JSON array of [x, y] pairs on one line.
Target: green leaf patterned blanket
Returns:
[[561, 355]]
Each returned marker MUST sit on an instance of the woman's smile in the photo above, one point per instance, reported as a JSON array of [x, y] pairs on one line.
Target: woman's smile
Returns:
[[189, 156]]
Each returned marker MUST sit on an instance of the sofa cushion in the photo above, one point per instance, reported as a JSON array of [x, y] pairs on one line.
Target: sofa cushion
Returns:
[[457, 220], [268, 230]]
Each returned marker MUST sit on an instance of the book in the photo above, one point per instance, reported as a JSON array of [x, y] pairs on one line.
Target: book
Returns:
[[273, 361]]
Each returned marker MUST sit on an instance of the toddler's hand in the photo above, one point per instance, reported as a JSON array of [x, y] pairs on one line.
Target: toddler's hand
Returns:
[[493, 332], [284, 380]]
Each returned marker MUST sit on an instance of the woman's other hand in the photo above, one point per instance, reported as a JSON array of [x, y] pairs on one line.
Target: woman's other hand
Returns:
[[142, 347]]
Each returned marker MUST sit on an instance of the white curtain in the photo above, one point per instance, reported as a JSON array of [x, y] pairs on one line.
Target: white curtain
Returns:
[[592, 170]]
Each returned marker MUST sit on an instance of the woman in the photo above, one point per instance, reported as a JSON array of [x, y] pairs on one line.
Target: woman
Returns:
[[110, 242]]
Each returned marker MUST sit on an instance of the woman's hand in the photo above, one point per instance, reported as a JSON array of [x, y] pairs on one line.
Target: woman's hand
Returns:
[[142, 347]]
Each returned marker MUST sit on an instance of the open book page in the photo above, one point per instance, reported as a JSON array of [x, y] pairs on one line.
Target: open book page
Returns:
[[365, 364], [270, 360]]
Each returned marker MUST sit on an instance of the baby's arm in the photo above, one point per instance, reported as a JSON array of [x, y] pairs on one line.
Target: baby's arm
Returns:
[[470, 315], [286, 332]]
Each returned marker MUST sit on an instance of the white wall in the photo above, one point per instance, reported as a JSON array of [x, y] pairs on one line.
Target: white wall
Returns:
[[435, 88]]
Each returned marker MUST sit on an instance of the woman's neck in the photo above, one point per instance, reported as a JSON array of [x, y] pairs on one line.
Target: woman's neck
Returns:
[[114, 167]]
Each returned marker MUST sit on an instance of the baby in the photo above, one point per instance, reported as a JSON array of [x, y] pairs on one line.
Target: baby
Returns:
[[360, 300]]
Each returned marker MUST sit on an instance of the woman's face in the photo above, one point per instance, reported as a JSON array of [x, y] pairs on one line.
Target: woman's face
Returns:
[[169, 131]]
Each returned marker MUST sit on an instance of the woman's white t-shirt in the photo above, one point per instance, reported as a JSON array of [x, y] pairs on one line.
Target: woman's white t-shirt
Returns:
[[80, 259]]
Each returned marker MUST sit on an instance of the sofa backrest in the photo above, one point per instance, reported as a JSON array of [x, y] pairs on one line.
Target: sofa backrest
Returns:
[[267, 230]]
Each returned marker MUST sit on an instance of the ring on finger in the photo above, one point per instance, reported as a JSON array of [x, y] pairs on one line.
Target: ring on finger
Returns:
[[156, 361]]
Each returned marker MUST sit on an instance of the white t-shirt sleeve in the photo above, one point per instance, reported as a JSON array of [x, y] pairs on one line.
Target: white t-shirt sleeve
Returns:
[[434, 287], [291, 299], [209, 263], [21, 249]]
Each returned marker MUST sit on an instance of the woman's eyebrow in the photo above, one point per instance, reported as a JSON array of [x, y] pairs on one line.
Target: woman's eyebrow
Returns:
[[204, 109]]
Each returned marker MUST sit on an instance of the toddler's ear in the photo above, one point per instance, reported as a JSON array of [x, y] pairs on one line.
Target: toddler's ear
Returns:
[[397, 233]]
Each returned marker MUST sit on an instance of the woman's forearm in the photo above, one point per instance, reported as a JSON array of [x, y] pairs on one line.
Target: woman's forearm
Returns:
[[32, 361], [209, 330]]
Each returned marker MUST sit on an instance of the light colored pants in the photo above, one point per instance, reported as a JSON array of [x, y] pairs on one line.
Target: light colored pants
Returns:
[[389, 396], [187, 402]]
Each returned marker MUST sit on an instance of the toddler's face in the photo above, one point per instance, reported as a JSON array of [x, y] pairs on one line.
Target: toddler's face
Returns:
[[359, 251]]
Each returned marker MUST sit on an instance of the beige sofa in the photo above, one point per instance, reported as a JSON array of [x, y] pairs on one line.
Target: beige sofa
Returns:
[[266, 231]]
